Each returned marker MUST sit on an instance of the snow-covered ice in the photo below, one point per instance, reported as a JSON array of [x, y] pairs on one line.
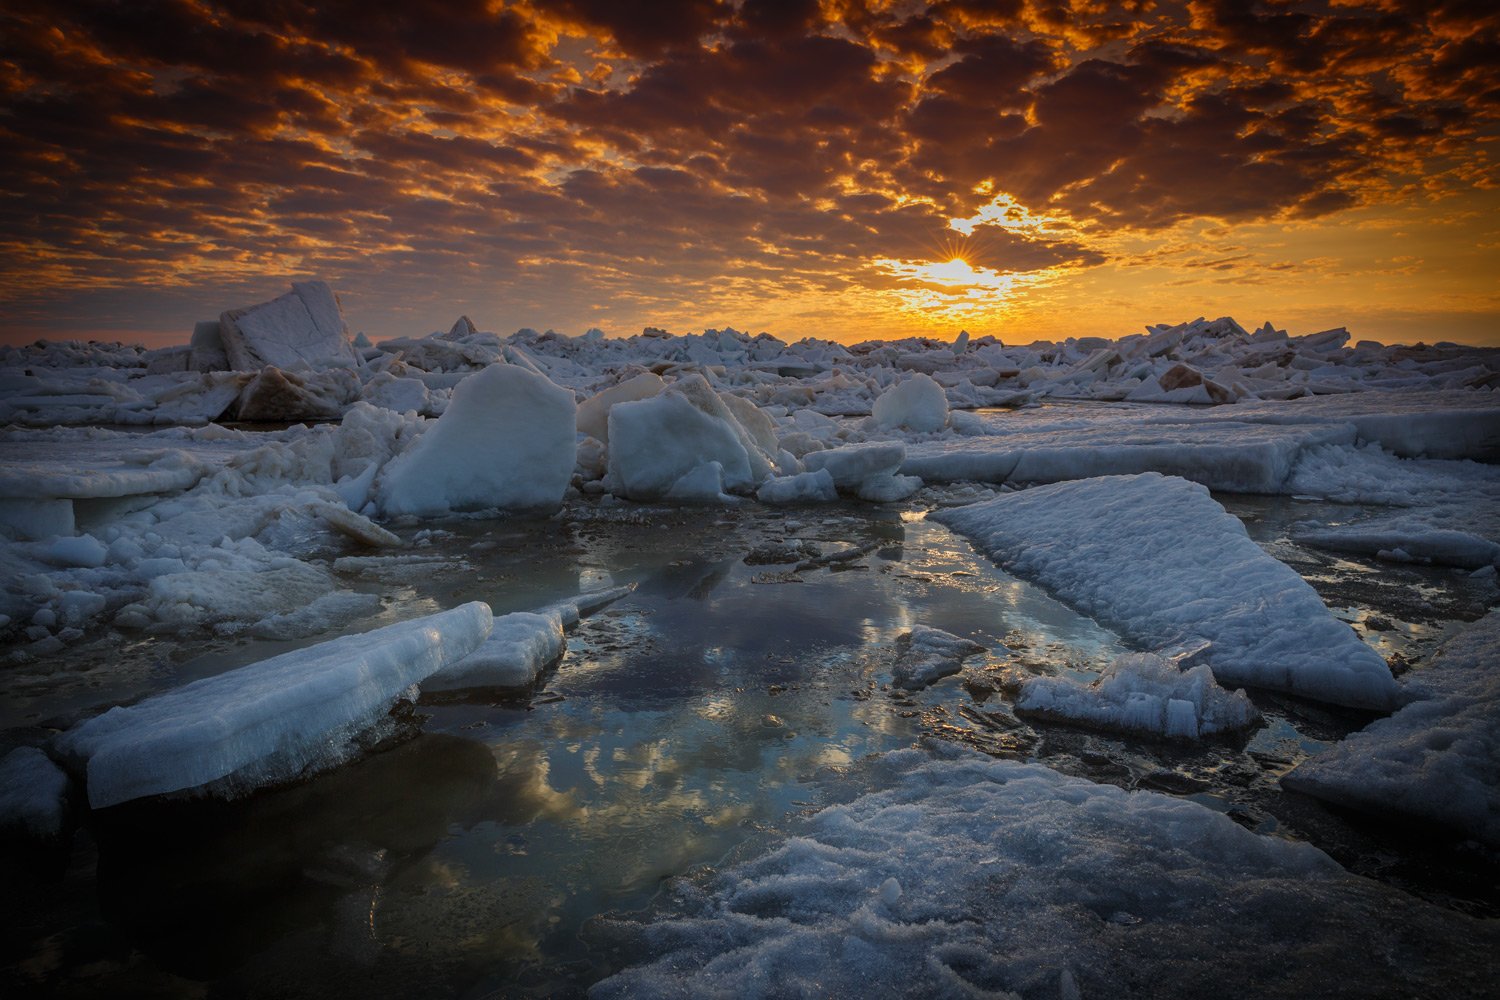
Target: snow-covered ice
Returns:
[[976, 877], [1437, 759], [270, 721], [1143, 693], [302, 329], [1156, 559]]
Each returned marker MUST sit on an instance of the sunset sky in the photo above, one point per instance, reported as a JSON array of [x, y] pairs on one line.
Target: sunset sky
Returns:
[[839, 169]]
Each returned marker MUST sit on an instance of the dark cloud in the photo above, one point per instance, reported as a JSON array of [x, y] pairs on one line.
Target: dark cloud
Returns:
[[637, 150]]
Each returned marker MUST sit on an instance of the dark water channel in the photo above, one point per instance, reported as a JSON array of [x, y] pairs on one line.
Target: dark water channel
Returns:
[[732, 691]]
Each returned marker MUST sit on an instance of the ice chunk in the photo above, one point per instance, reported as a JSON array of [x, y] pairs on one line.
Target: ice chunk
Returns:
[[1419, 542], [1156, 559], [1008, 874], [1437, 759], [302, 329], [506, 440], [593, 413], [271, 721], [278, 396], [1142, 693], [519, 647], [853, 465], [33, 794], [77, 550], [927, 654], [805, 487], [655, 442], [916, 404]]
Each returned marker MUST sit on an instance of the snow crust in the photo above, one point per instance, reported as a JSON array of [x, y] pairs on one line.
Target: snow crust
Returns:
[[1143, 693], [1436, 760], [270, 721], [1156, 559], [974, 877]]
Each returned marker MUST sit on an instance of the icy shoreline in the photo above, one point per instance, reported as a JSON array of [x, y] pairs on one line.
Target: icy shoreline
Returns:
[[1091, 483]]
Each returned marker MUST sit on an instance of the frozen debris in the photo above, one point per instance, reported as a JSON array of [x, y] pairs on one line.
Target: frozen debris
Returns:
[[1157, 560], [506, 440], [33, 795], [1145, 694], [916, 404], [271, 721], [1437, 759], [303, 329], [969, 876], [925, 655]]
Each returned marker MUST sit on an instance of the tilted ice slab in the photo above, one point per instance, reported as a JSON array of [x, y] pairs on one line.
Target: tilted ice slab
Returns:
[[270, 721], [1143, 693], [1437, 759], [302, 329], [1156, 559], [970, 877], [1235, 457]]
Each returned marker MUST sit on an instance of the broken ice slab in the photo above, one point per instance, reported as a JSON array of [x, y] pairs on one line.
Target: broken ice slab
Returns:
[[925, 655], [1142, 693], [521, 645], [1158, 560], [302, 329], [1437, 759], [271, 721]]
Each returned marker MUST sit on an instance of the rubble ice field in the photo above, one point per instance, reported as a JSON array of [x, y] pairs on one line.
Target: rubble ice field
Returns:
[[713, 665]]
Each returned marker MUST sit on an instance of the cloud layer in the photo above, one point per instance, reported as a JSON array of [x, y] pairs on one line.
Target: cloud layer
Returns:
[[776, 162]]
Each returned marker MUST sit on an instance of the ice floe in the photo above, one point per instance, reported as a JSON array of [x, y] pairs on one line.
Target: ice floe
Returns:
[[1156, 559], [271, 721], [1437, 759]]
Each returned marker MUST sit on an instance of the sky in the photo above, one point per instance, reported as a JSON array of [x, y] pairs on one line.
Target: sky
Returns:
[[845, 169]]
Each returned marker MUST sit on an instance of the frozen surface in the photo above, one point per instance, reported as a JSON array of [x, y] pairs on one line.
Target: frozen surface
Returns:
[[33, 794], [1158, 560], [506, 440], [1437, 759], [1143, 693], [973, 877], [271, 721]]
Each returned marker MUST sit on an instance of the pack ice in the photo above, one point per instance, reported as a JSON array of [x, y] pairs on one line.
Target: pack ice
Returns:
[[270, 721], [1436, 760], [1156, 559]]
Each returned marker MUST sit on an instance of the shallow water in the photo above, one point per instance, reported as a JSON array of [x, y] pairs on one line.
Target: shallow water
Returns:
[[732, 691]]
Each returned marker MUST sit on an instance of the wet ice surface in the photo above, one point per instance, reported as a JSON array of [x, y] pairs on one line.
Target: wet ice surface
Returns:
[[694, 722]]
